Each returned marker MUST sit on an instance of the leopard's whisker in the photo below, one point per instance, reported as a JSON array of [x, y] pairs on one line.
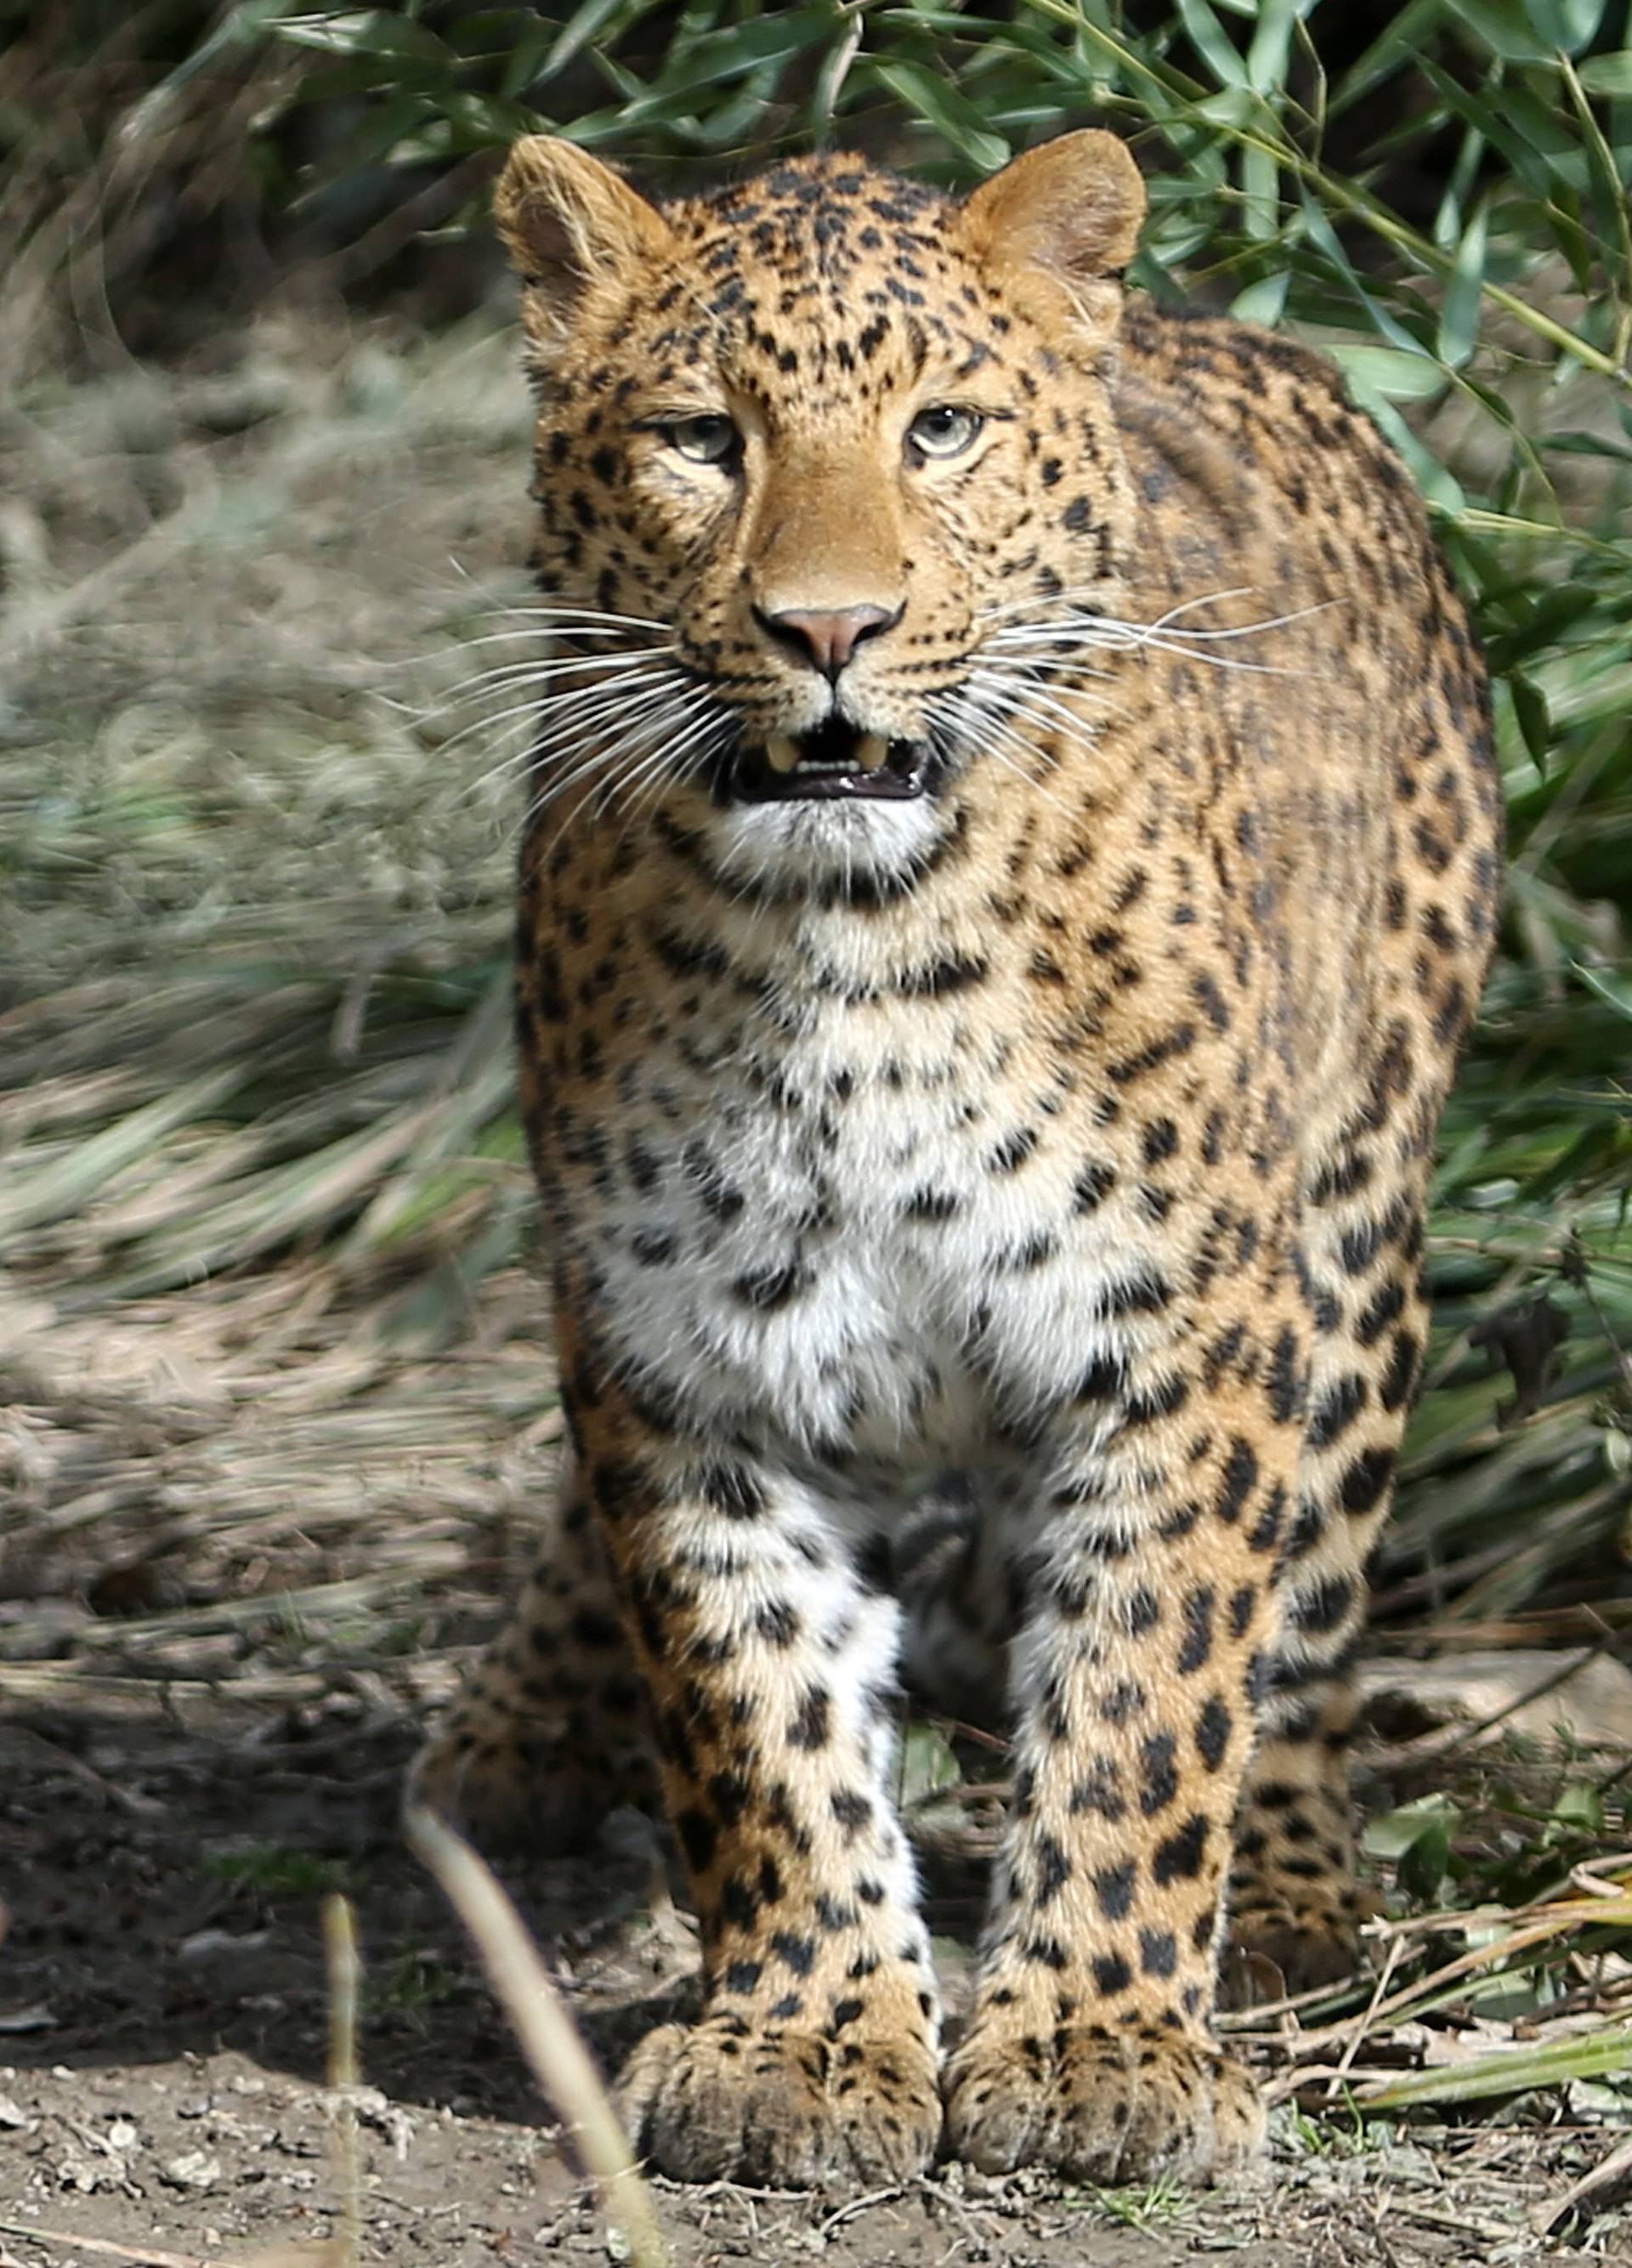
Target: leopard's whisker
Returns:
[[680, 729], [1119, 631], [1004, 656], [985, 707], [1151, 643], [1141, 640], [1041, 702], [1248, 629], [548, 694], [602, 762], [552, 665], [587, 773], [559, 610], [676, 760], [607, 701], [525, 758], [551, 779], [518, 675], [1090, 593], [479, 640], [538, 605]]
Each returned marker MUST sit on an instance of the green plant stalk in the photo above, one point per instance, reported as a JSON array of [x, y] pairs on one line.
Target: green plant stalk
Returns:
[[1509, 2071]]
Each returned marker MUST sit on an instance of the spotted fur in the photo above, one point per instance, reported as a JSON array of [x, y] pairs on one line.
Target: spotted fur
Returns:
[[1063, 1127]]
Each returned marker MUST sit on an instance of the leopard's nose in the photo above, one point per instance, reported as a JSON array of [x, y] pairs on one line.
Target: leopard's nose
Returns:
[[827, 637]]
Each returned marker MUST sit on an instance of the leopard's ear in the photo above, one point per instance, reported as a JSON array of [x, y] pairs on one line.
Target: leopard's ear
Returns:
[[1073, 208], [568, 221]]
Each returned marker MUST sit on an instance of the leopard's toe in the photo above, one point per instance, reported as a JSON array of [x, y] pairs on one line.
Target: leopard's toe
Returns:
[[724, 2101], [1282, 1946], [1101, 2105]]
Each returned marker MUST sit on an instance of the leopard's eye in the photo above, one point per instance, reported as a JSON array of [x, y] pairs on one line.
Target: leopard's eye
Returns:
[[707, 441], [943, 429]]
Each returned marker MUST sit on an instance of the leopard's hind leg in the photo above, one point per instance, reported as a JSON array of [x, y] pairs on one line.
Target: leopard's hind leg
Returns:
[[1295, 1905], [551, 1732]]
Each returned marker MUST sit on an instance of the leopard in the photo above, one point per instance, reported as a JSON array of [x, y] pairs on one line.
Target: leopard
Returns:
[[1011, 857]]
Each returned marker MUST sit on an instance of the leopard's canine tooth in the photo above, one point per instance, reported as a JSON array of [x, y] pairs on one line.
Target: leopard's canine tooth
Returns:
[[873, 752], [780, 752]]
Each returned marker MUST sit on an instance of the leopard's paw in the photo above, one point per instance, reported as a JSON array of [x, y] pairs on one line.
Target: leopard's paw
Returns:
[[1100, 2103], [724, 2101], [1284, 1945], [513, 1782]]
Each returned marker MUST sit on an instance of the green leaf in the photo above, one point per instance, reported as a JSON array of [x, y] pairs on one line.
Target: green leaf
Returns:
[[1424, 1863], [243, 27], [1390, 371], [581, 28], [1369, 301], [1392, 49], [1437, 484], [929, 1763], [369, 31], [84, 1173], [1616, 991], [941, 107], [1213, 43], [1587, 444], [1262, 302], [1260, 177], [1530, 708], [1505, 28], [1271, 43], [1391, 1833], [1610, 75], [1579, 1807], [1534, 168], [1458, 316], [1509, 2071], [1566, 24], [1230, 106]]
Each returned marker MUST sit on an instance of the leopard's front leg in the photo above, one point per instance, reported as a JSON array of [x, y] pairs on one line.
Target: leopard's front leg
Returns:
[[771, 1674], [1091, 2048]]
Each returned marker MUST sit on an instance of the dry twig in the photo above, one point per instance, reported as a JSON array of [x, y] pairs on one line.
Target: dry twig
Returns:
[[105, 2246], [340, 1941], [549, 2037]]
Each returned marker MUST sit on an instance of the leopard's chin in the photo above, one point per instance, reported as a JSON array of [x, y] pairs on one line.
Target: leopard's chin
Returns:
[[834, 762]]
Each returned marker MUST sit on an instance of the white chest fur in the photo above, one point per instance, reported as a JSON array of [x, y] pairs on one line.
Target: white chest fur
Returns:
[[861, 1239]]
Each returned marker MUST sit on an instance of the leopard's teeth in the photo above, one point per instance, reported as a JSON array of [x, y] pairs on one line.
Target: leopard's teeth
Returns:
[[873, 752], [780, 752]]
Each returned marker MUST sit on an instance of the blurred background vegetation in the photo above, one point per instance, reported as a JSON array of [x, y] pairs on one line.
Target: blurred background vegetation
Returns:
[[252, 919]]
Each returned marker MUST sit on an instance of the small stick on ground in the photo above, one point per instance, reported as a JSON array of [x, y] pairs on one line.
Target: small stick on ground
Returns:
[[1606, 2185], [549, 2037], [104, 2245]]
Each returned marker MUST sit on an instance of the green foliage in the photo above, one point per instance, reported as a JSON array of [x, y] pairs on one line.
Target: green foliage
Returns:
[[1435, 195], [273, 1870]]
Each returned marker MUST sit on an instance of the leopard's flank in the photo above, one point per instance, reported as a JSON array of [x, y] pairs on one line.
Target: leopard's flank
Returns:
[[1012, 861]]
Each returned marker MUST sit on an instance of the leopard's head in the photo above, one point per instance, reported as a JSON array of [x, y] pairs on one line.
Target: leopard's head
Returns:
[[807, 450]]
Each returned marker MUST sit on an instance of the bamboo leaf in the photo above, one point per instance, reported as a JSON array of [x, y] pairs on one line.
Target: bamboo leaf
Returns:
[[941, 106], [1458, 318]]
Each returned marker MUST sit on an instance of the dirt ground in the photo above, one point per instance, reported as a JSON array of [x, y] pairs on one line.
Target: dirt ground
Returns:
[[164, 2007], [250, 1524]]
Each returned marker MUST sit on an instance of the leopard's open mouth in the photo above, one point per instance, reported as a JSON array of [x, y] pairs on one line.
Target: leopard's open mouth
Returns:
[[833, 761]]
